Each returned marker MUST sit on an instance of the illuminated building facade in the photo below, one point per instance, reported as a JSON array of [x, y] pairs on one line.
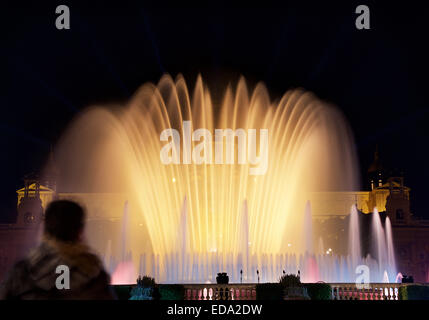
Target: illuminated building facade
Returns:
[[388, 194]]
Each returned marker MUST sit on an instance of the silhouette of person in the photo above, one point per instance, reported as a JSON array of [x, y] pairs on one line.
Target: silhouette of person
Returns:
[[62, 266]]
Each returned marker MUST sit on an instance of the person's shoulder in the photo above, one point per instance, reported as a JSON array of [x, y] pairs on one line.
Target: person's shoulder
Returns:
[[103, 277], [14, 279], [98, 288], [19, 268]]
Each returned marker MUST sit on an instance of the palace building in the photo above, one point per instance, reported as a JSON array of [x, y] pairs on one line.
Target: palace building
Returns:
[[386, 193]]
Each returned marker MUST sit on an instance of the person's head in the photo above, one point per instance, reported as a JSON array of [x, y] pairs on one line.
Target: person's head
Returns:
[[64, 220]]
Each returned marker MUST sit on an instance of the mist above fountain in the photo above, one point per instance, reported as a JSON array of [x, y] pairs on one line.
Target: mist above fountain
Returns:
[[186, 222]]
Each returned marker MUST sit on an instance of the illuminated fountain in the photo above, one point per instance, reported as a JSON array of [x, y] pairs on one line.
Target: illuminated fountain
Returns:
[[354, 244], [184, 221]]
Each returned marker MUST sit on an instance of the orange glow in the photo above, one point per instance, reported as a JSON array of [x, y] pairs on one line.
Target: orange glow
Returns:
[[111, 149]]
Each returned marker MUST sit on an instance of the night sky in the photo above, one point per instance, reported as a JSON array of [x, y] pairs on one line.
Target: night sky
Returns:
[[377, 77]]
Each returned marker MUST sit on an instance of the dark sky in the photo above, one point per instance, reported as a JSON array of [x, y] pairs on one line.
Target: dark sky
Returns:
[[378, 77]]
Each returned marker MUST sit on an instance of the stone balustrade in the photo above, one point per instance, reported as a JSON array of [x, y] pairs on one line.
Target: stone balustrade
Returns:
[[372, 291], [340, 291], [220, 291]]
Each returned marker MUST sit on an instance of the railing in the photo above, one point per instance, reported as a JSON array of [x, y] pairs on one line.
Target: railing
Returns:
[[220, 291], [340, 291], [372, 291]]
